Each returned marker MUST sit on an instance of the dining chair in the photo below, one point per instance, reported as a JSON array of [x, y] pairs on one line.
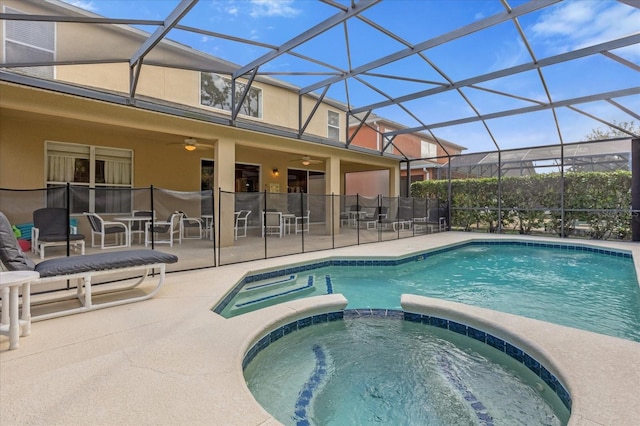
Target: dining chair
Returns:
[[302, 222], [272, 223], [242, 217], [187, 222], [169, 228], [137, 227], [102, 228]]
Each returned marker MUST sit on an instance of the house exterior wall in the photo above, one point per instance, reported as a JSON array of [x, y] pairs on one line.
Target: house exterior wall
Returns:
[[30, 116], [279, 105], [408, 144]]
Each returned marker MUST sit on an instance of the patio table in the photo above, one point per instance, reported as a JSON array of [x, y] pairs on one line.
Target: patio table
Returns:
[[10, 323]]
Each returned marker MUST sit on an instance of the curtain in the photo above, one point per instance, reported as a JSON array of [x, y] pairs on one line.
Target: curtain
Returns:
[[117, 172], [61, 168]]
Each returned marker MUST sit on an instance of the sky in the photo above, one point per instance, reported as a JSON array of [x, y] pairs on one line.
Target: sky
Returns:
[[551, 31]]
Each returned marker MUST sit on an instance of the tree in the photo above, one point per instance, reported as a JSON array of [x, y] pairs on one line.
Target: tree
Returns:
[[611, 133]]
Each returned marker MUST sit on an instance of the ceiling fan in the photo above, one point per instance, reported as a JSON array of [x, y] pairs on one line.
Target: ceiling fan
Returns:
[[191, 144], [306, 160]]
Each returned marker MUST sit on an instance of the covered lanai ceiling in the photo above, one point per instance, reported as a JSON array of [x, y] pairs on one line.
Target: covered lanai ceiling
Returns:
[[488, 74]]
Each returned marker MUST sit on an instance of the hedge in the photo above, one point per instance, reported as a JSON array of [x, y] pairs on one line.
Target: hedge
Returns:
[[535, 202]]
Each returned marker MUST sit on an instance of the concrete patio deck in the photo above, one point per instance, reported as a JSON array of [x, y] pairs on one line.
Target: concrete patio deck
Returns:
[[172, 361]]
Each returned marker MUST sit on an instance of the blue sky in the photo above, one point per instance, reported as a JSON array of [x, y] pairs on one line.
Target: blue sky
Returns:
[[554, 30]]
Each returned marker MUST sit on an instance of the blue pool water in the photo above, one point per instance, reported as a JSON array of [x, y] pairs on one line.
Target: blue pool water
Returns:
[[576, 288], [393, 372]]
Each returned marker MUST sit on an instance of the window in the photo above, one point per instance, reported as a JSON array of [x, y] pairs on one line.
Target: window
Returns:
[[333, 125], [428, 149], [101, 177], [247, 178], [215, 92], [29, 41]]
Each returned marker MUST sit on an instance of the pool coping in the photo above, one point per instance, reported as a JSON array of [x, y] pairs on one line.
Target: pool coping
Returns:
[[171, 360]]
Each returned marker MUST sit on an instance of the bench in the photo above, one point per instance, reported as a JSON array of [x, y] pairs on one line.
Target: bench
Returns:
[[84, 269]]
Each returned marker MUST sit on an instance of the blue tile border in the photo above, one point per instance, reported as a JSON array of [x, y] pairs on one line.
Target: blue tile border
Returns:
[[306, 286], [399, 261], [288, 328], [509, 349], [306, 394]]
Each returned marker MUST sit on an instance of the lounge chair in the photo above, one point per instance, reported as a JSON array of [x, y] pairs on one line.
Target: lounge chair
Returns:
[[51, 228], [84, 269]]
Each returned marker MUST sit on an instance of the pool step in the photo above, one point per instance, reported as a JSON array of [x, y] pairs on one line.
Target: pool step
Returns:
[[278, 290], [262, 285]]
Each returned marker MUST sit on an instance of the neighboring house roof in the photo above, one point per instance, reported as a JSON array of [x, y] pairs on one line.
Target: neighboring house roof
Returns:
[[374, 118]]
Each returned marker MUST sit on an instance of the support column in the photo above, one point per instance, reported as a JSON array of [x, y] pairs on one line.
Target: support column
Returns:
[[224, 178], [635, 189], [332, 186], [394, 181]]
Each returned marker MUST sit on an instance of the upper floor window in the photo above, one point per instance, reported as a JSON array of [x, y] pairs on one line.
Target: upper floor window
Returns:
[[30, 41], [101, 177], [333, 125], [428, 149], [215, 91]]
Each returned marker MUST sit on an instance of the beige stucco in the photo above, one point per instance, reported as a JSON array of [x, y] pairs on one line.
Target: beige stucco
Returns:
[[31, 116], [76, 41]]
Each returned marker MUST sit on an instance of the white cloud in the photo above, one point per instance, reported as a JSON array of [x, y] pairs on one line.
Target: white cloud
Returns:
[[233, 10], [578, 24], [271, 8]]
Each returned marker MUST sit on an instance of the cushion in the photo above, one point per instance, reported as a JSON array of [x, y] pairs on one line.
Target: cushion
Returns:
[[25, 245], [11, 255], [102, 261]]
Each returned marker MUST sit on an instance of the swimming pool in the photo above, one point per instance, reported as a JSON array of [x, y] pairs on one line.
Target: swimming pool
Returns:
[[383, 370], [572, 285]]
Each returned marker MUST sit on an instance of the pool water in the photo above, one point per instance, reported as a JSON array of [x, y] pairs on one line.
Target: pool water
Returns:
[[580, 289], [394, 372]]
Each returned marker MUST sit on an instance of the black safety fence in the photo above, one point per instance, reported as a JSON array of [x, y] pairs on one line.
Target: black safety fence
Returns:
[[242, 227], [264, 225]]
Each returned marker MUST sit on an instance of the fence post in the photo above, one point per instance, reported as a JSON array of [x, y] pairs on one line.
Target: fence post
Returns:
[[264, 223], [635, 190], [153, 214], [67, 203]]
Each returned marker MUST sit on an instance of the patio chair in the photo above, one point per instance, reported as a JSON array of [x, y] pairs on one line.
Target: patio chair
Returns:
[[102, 228], [376, 217], [51, 228], [170, 228], [242, 217], [404, 221], [137, 227], [302, 222], [272, 223], [187, 222]]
